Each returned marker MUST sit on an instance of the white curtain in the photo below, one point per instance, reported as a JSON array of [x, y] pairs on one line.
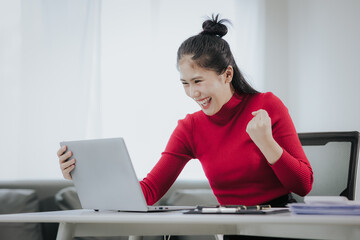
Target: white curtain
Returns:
[[49, 85]]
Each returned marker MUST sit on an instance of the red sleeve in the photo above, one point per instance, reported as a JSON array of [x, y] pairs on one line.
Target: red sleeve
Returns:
[[178, 152], [293, 168]]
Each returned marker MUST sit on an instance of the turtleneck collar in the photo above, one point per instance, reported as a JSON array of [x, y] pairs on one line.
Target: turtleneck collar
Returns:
[[228, 110]]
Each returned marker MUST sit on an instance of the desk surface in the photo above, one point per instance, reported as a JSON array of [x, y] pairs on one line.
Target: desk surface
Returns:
[[107, 223], [90, 216]]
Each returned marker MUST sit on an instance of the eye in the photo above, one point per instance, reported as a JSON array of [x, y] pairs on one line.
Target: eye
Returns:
[[184, 83], [197, 81]]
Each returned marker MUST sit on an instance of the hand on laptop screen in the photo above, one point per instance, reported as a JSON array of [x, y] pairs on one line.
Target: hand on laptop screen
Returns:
[[66, 164]]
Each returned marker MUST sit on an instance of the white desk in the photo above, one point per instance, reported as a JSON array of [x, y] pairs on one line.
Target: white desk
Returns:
[[90, 223]]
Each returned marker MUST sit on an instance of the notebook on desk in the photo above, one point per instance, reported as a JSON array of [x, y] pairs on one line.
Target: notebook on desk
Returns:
[[105, 179]]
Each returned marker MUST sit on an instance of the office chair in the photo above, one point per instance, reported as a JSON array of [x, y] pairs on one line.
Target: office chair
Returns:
[[334, 159]]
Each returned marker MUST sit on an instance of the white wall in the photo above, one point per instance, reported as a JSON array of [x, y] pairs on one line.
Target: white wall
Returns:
[[312, 61], [276, 49], [325, 59]]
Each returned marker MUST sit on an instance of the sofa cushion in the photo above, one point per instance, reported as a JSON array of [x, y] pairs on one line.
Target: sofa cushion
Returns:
[[192, 197], [67, 199], [19, 201]]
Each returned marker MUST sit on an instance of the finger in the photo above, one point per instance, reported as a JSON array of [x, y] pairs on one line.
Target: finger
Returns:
[[255, 112], [260, 111], [61, 151], [69, 169], [65, 156], [257, 117], [67, 174], [67, 164], [262, 115]]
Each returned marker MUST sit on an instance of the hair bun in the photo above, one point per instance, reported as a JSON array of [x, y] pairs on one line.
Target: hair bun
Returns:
[[214, 26]]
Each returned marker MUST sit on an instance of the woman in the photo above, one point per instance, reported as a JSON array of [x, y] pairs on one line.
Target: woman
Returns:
[[245, 140]]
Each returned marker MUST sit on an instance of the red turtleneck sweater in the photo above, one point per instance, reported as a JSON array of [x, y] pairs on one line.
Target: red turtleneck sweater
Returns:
[[237, 171]]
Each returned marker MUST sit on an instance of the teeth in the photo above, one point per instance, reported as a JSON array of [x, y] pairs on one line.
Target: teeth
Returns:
[[204, 102]]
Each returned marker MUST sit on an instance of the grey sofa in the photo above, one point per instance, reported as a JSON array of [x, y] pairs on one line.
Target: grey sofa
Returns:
[[56, 195]]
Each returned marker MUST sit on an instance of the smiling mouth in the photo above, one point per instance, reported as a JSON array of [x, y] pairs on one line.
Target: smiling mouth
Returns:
[[204, 103]]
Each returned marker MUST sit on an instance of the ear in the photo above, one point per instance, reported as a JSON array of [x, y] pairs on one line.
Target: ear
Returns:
[[229, 73]]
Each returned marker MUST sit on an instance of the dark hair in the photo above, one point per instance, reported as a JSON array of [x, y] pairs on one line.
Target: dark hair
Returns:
[[210, 51]]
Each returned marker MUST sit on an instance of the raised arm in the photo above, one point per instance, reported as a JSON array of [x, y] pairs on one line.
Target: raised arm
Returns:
[[273, 131]]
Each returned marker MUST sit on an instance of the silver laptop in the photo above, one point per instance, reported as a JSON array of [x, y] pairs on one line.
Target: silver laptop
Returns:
[[105, 179]]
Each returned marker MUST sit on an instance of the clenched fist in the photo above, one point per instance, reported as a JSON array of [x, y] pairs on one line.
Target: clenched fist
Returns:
[[259, 128], [260, 131]]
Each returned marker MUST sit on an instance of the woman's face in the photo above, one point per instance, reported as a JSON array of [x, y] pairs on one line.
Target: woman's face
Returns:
[[210, 90]]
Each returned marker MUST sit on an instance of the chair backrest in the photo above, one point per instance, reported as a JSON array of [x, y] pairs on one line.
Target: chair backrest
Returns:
[[334, 159]]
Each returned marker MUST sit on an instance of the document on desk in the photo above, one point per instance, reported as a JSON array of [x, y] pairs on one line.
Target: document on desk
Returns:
[[326, 206], [237, 209]]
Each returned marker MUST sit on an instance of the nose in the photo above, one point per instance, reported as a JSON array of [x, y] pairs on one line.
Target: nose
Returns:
[[194, 92]]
